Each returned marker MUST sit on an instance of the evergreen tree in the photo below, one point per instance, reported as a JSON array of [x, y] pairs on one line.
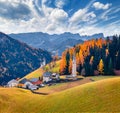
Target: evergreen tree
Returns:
[[110, 67]]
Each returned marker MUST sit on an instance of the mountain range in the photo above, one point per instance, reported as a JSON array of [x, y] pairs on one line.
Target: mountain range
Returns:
[[55, 43], [18, 59]]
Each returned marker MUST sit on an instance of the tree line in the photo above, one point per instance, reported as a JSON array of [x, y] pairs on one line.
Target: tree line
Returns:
[[93, 57]]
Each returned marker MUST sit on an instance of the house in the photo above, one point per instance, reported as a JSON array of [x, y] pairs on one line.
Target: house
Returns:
[[27, 84], [30, 86], [22, 82], [55, 76], [12, 83], [33, 79], [36, 81], [33, 87], [47, 77]]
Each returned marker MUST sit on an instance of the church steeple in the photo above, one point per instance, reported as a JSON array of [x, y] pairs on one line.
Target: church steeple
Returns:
[[74, 66]]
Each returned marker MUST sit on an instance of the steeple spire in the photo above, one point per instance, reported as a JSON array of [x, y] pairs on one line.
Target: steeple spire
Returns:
[[74, 66]]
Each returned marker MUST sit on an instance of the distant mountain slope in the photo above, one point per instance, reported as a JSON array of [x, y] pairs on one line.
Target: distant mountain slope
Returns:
[[52, 43], [18, 59]]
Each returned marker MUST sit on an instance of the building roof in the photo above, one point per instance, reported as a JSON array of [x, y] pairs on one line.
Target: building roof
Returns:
[[13, 81], [28, 83], [37, 82], [47, 74], [54, 74], [34, 79], [23, 81]]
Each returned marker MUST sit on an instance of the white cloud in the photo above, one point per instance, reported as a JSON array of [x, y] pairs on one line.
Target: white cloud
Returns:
[[52, 20], [98, 5], [78, 16], [82, 15], [110, 13], [58, 15], [59, 3], [55, 20]]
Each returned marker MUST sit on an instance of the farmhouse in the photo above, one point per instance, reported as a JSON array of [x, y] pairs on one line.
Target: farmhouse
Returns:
[[27, 84], [12, 83], [55, 76], [47, 77], [33, 87], [22, 82], [36, 81]]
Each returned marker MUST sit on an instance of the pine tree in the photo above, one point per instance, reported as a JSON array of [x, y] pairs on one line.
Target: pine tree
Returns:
[[101, 67], [110, 67]]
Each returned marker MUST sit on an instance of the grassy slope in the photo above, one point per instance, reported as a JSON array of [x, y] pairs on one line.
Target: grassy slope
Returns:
[[54, 69], [96, 78], [39, 72], [35, 74], [97, 96]]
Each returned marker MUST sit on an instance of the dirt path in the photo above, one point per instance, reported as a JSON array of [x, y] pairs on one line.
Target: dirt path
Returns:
[[62, 87]]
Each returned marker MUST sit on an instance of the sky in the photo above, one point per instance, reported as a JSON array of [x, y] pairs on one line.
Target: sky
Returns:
[[85, 17]]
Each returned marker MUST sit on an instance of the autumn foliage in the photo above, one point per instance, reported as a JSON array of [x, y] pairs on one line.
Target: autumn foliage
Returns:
[[93, 55]]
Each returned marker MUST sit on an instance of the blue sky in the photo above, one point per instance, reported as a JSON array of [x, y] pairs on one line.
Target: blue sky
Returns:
[[85, 17]]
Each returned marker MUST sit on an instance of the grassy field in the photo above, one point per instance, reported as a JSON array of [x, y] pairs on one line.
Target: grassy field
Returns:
[[98, 96], [96, 78], [55, 68], [35, 74], [63, 86]]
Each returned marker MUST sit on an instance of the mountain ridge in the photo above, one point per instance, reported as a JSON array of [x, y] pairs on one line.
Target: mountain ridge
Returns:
[[53, 43]]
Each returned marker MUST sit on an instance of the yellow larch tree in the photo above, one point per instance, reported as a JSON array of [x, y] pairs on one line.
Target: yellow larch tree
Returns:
[[101, 67]]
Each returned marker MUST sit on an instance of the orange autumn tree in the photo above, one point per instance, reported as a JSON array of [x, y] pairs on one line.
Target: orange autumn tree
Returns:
[[81, 57], [63, 63], [101, 67], [71, 58]]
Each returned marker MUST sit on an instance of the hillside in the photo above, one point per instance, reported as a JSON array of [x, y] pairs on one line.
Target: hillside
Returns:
[[18, 59], [35, 74], [52, 43], [39, 72], [100, 96]]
